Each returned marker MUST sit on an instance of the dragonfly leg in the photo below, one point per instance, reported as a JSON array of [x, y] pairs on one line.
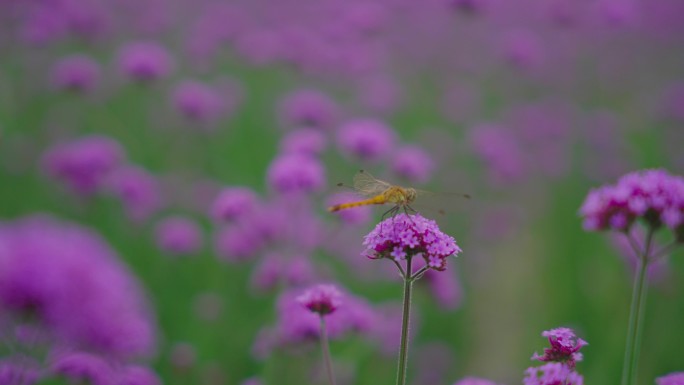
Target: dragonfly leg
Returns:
[[406, 211]]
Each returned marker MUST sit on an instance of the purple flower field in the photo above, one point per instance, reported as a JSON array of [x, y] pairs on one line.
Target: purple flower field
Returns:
[[188, 192]]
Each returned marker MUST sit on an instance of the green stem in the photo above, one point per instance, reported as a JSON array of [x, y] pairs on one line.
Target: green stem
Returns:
[[636, 313], [326, 353], [403, 349]]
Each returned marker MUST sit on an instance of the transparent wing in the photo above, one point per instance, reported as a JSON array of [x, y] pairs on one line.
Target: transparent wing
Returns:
[[440, 203], [367, 184]]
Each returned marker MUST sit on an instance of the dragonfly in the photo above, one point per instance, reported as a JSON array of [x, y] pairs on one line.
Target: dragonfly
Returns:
[[379, 192]]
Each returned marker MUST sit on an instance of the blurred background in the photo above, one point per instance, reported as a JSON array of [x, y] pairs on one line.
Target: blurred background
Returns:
[[165, 167]]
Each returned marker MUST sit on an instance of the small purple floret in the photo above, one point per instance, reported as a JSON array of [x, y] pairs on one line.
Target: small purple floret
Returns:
[[565, 346], [553, 373]]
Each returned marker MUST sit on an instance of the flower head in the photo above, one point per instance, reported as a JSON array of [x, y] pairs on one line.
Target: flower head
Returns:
[[76, 73], [138, 191], [671, 379], [565, 346], [404, 236], [178, 235], [367, 139], [197, 101], [145, 61], [474, 381], [553, 373], [321, 299], [652, 195], [296, 173], [305, 141], [233, 203], [81, 367], [413, 163], [310, 108]]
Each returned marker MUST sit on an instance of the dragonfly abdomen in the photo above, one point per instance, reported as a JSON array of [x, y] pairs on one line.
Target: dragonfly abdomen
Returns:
[[376, 200]]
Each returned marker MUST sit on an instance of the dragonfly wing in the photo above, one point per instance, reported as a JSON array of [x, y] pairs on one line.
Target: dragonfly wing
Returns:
[[440, 203], [367, 184]]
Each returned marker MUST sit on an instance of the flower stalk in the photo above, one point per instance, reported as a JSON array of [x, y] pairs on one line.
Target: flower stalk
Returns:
[[636, 312], [405, 320], [325, 346]]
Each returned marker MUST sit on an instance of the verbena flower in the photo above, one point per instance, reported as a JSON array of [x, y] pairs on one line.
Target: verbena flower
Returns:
[[197, 101], [366, 139], [81, 367], [18, 372], [178, 235], [78, 73], [305, 141], [671, 379], [523, 50], [413, 163], [137, 375], [138, 191], [565, 346], [309, 108], [84, 164], [553, 373], [404, 236], [145, 61], [654, 196], [233, 203], [500, 150], [295, 173], [74, 285], [321, 299]]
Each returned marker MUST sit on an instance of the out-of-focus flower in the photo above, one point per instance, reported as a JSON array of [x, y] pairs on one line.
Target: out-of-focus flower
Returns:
[[233, 203], [145, 61], [565, 346], [380, 94], [305, 141], [366, 139], [137, 375], [413, 163], [74, 284], [299, 271], [197, 101], [183, 356], [671, 379], [237, 243], [321, 299], [308, 108], [295, 173], [268, 273], [12, 372], [296, 324], [474, 381], [500, 150], [354, 215], [553, 373], [404, 236], [252, 381], [618, 13], [445, 288], [85, 163], [80, 367], [78, 73], [523, 50], [138, 191], [652, 195], [178, 235]]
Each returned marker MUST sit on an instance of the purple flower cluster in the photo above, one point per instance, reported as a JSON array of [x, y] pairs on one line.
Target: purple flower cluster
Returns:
[[145, 61], [405, 236], [138, 190], [321, 299], [296, 323], [655, 196], [565, 346], [78, 73], [308, 108], [296, 173], [197, 101], [366, 139], [178, 235], [553, 373], [233, 203], [75, 287], [413, 163], [560, 358], [84, 164], [671, 379], [80, 367]]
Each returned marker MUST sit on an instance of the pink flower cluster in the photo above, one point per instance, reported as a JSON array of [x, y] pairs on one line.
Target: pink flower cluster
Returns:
[[565, 346], [553, 373], [404, 236], [652, 195], [321, 299]]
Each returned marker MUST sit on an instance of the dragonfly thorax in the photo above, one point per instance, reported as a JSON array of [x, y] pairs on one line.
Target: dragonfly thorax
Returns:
[[400, 195]]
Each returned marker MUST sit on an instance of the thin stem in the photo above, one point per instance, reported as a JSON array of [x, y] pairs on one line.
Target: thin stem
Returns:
[[401, 269], [326, 353], [663, 251], [636, 312], [403, 349]]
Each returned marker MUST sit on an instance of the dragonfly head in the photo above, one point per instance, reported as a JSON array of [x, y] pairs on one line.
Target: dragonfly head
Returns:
[[410, 195]]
